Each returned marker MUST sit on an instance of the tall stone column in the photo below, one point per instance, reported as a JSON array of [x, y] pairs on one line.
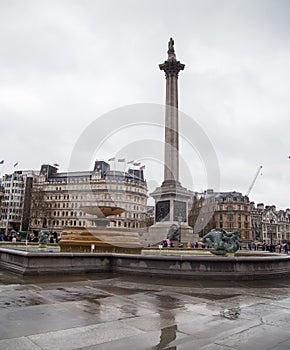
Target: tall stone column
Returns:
[[171, 67], [171, 199]]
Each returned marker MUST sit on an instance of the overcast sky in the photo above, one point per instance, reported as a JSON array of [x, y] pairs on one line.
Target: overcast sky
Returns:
[[64, 64]]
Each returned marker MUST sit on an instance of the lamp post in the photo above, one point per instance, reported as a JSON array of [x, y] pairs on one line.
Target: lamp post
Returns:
[[202, 227], [271, 233]]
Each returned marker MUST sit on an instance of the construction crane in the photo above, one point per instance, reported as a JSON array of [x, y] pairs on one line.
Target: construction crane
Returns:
[[254, 180]]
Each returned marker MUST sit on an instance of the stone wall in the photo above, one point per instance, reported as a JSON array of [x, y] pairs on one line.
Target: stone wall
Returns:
[[205, 267]]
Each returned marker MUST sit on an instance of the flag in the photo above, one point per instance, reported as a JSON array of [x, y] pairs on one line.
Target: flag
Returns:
[[121, 160], [142, 167], [2, 161], [111, 159], [15, 164], [136, 164], [131, 162]]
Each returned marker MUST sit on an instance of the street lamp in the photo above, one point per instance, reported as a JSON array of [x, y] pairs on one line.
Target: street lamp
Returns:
[[202, 227], [271, 233]]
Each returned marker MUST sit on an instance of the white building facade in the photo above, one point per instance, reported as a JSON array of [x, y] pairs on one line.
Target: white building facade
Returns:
[[58, 198], [15, 208]]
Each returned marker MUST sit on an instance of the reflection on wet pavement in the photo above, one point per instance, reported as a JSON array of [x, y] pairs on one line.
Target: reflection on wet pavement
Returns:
[[110, 311]]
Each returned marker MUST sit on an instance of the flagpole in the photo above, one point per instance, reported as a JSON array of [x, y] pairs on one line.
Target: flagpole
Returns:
[[122, 160], [124, 165], [113, 159], [129, 164], [16, 166], [1, 163]]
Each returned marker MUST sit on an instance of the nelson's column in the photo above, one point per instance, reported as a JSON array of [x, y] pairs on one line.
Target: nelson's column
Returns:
[[171, 199]]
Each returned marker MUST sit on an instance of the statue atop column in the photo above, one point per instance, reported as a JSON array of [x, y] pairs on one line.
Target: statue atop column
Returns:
[[170, 46], [171, 66]]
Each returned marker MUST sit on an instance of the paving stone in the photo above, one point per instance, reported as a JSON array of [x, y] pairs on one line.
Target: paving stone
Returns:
[[162, 339], [108, 311], [17, 344], [80, 337], [264, 337], [16, 322]]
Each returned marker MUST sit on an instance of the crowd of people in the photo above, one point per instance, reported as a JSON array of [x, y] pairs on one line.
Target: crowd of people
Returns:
[[167, 243], [11, 236], [275, 248], [14, 236], [260, 246]]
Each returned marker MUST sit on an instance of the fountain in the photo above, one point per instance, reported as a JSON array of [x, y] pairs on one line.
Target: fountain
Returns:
[[113, 250], [101, 238]]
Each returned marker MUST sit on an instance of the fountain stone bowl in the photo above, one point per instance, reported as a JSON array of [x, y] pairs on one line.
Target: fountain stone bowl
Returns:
[[101, 238], [102, 210]]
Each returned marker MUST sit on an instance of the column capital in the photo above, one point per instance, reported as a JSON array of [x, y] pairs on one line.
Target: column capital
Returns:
[[171, 67]]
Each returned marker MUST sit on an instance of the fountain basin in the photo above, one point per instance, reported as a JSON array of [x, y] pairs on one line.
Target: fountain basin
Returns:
[[194, 267], [30, 247]]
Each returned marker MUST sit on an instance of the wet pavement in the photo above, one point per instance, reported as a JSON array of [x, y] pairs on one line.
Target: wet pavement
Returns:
[[107, 311]]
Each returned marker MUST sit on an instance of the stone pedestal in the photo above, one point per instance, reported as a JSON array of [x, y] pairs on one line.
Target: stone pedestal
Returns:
[[158, 232], [171, 208]]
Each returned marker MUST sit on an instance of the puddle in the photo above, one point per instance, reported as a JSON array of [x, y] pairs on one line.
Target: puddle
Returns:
[[73, 294]]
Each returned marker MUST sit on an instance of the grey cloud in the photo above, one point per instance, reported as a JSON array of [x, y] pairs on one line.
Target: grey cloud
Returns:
[[65, 63]]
